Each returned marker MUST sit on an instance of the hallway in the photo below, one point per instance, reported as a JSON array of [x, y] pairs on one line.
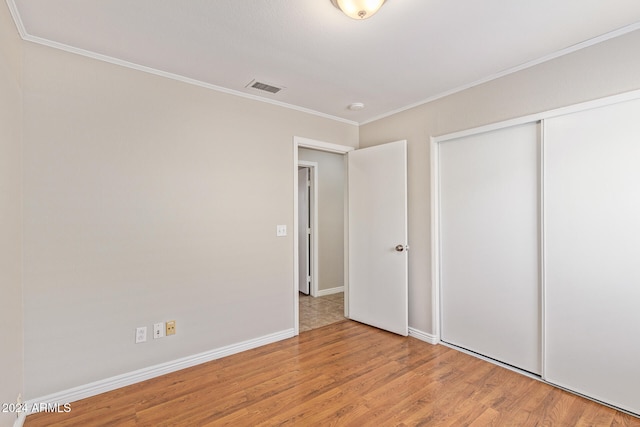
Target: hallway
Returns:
[[320, 311]]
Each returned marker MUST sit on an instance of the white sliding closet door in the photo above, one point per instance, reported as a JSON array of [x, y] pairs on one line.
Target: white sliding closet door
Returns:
[[592, 240], [490, 292]]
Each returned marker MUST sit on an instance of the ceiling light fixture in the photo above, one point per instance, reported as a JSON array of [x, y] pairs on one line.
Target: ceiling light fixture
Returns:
[[358, 9]]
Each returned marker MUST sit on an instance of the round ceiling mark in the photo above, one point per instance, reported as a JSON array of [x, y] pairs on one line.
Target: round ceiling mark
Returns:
[[356, 106]]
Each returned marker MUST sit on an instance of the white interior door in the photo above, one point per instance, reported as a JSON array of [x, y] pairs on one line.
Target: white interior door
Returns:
[[303, 231], [489, 281], [378, 259]]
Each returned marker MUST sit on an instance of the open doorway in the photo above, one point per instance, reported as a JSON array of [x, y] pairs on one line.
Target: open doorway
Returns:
[[325, 301], [375, 247]]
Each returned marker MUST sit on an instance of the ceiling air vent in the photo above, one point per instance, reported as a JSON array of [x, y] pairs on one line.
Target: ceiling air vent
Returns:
[[266, 87]]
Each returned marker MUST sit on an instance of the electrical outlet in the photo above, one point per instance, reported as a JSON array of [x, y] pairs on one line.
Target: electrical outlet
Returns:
[[158, 330], [141, 334], [171, 327], [281, 230]]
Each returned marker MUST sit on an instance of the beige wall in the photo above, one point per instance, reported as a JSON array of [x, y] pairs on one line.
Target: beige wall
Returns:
[[11, 332], [608, 68], [147, 199], [331, 177]]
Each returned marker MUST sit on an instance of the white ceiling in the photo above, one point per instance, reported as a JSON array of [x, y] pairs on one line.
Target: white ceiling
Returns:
[[409, 52]]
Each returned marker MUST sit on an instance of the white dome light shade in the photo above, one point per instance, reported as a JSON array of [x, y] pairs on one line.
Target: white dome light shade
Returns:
[[359, 9]]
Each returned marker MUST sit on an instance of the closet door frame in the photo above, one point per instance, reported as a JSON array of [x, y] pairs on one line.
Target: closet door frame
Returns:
[[435, 207]]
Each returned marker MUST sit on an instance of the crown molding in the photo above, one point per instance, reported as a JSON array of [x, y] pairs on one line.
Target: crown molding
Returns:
[[579, 46], [105, 58]]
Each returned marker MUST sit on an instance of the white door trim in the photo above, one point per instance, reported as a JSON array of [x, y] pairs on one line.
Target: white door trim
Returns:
[[313, 167], [332, 148], [434, 155]]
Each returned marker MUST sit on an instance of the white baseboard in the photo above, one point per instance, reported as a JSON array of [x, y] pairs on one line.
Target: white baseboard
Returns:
[[119, 381], [323, 292], [423, 336]]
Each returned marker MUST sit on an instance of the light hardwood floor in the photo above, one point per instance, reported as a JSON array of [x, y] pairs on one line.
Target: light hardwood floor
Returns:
[[344, 374]]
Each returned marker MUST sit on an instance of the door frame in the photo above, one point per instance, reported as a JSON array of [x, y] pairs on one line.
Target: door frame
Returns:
[[313, 211], [331, 148]]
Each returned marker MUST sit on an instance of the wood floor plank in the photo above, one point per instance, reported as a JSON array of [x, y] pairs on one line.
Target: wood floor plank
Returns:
[[487, 418], [596, 415], [344, 374]]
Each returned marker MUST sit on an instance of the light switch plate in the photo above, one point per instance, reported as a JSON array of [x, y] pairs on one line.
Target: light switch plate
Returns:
[[281, 230]]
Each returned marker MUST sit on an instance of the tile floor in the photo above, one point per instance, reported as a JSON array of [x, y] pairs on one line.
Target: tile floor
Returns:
[[320, 311]]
